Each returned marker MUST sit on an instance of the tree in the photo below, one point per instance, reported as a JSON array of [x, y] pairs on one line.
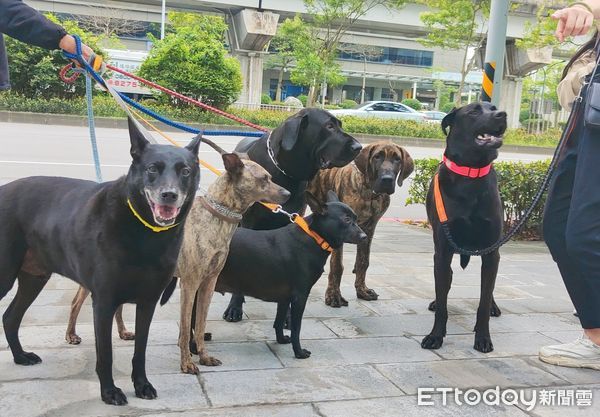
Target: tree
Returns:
[[34, 70], [284, 45], [109, 22], [329, 22], [456, 25], [192, 60], [364, 53]]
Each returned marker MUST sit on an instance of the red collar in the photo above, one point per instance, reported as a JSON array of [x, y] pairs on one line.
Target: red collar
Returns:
[[467, 171]]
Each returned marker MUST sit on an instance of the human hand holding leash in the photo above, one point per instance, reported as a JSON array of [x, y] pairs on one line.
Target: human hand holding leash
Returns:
[[68, 44], [576, 20]]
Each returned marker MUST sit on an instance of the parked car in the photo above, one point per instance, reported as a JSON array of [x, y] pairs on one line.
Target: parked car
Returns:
[[434, 116], [382, 109]]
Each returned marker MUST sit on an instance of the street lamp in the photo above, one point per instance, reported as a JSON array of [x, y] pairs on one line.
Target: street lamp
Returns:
[[162, 19]]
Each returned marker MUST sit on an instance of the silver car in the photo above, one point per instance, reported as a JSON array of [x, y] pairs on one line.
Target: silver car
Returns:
[[383, 110]]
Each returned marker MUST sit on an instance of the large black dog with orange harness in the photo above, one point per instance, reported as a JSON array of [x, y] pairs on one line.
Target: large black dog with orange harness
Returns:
[[464, 209]]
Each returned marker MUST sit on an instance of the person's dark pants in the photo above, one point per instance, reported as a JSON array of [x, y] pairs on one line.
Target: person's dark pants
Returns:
[[572, 221]]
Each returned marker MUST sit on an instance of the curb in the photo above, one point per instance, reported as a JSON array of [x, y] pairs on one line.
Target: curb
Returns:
[[121, 123]]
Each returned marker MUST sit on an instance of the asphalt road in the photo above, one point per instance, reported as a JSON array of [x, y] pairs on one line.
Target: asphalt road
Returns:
[[31, 149]]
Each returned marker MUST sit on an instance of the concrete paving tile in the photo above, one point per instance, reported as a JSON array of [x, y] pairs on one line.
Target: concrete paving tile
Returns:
[[235, 356], [505, 345], [520, 323], [479, 373], [246, 330], [402, 325], [388, 307], [355, 351], [556, 410], [564, 336], [295, 410], [295, 385], [56, 363], [407, 406], [571, 375]]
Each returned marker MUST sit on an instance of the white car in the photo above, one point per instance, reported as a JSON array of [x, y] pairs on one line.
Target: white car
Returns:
[[434, 116], [383, 110]]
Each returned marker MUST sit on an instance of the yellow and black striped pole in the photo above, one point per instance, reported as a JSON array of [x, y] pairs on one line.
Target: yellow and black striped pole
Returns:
[[487, 87], [493, 67]]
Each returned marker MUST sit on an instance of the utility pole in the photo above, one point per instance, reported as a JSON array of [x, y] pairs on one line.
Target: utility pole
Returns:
[[493, 68], [163, 13]]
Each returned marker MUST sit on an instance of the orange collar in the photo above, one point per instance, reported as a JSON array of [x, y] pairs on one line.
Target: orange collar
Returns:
[[466, 171], [301, 222]]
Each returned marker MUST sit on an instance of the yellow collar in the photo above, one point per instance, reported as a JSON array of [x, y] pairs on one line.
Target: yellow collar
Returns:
[[301, 222], [156, 229]]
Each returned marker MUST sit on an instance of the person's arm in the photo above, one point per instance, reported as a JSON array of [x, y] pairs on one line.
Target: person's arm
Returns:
[[577, 19], [21, 22]]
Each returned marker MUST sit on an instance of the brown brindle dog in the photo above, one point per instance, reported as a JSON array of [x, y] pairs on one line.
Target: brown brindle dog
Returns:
[[365, 186]]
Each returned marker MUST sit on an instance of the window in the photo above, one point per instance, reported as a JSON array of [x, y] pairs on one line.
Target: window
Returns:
[[388, 55]]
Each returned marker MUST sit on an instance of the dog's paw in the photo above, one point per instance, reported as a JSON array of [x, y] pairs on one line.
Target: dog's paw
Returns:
[[483, 344], [193, 347], [207, 337], [432, 342], [233, 314], [432, 306], [114, 396], [335, 299], [366, 294], [189, 368], [284, 340], [495, 310], [127, 335], [209, 361], [302, 354], [73, 339], [27, 359], [145, 390]]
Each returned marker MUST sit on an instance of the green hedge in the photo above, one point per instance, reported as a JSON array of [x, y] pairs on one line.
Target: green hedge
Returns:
[[517, 181], [104, 106]]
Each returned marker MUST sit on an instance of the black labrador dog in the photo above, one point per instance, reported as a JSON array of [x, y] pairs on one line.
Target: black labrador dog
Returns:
[[282, 265], [468, 191], [295, 151], [119, 239]]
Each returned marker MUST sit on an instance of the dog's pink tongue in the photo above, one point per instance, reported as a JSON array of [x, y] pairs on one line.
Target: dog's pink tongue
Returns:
[[167, 212]]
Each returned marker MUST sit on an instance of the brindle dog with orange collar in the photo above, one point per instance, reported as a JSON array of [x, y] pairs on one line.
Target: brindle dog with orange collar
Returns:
[[468, 190]]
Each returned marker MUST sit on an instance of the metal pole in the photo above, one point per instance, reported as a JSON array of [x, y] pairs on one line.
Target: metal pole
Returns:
[[493, 68], [163, 13]]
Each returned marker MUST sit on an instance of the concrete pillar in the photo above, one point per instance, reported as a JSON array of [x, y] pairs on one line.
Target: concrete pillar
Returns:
[[510, 100], [414, 90], [250, 31]]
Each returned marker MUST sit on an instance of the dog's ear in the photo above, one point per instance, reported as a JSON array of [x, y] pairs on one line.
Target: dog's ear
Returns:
[[233, 164], [408, 166], [315, 205], [363, 159], [448, 120], [194, 145], [291, 130], [137, 139], [332, 197]]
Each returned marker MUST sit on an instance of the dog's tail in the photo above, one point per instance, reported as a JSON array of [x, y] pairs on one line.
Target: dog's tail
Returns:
[[168, 292], [464, 261]]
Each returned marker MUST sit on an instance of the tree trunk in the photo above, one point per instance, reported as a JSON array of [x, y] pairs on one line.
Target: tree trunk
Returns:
[[310, 100], [279, 85]]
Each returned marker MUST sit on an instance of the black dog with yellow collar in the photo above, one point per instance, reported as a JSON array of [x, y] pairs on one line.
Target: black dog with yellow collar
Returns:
[[119, 239]]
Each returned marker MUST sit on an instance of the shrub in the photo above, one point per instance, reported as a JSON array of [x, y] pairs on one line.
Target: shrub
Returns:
[[348, 104], [303, 98], [447, 107], [517, 181], [413, 103], [265, 99], [524, 115]]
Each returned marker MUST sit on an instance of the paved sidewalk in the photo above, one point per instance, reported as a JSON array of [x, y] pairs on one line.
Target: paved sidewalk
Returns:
[[366, 359]]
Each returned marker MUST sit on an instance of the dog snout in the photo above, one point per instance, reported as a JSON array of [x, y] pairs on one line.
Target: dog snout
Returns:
[[169, 197], [362, 236], [387, 179], [284, 195], [355, 147], [500, 115]]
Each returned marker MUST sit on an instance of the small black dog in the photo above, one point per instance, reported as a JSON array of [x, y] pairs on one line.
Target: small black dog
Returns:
[[469, 192], [119, 239], [295, 151], [282, 265]]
